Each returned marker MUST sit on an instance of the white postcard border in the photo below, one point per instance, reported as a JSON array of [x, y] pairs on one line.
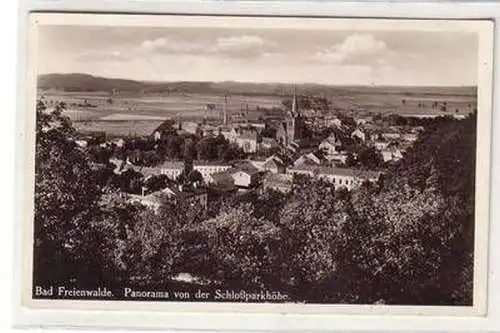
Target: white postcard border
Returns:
[[483, 181]]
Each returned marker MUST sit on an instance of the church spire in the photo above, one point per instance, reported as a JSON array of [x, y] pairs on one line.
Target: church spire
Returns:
[[294, 101]]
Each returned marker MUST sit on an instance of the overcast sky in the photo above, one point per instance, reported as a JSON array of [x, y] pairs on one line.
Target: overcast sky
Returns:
[[256, 55]]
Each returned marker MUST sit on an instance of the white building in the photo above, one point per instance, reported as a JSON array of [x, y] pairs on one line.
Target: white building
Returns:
[[81, 143], [391, 154], [410, 137], [359, 134], [208, 168], [268, 143], [157, 136], [340, 177], [172, 169], [338, 157], [333, 122], [245, 175], [391, 135], [119, 142], [381, 145]]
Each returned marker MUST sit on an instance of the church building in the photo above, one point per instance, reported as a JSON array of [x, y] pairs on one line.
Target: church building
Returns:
[[291, 128]]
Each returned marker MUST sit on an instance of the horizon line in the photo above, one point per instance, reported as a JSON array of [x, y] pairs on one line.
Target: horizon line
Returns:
[[263, 82]]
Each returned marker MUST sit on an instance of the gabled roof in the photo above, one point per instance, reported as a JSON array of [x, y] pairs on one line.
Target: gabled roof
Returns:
[[245, 167], [324, 170], [274, 159], [223, 178]]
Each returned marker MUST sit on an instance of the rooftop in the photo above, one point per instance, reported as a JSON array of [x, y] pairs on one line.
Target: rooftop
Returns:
[[209, 163], [245, 167], [171, 165], [278, 178], [325, 170]]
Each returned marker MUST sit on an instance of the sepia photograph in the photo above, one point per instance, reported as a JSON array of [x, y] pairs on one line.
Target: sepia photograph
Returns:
[[258, 161]]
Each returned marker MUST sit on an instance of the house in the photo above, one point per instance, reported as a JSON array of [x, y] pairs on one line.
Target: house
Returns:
[[361, 121], [418, 129], [268, 143], [259, 164], [391, 135], [358, 134], [118, 142], [245, 175], [223, 179], [120, 165], [227, 132], [153, 201], [81, 143], [190, 128], [157, 136], [381, 145], [280, 182], [306, 170], [391, 154], [410, 137], [207, 168], [309, 158], [148, 172], [371, 176], [339, 157], [340, 177], [247, 139], [274, 164], [191, 196], [333, 122], [329, 146]]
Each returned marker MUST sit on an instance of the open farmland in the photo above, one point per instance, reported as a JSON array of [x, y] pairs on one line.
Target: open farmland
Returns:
[[140, 113]]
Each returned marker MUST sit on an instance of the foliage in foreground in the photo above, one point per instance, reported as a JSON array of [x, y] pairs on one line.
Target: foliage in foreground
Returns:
[[407, 241]]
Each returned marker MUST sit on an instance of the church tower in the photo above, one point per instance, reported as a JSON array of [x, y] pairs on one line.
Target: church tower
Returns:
[[290, 129], [292, 119]]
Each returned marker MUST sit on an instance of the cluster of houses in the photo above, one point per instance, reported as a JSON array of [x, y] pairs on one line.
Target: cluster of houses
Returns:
[[278, 171], [221, 178], [391, 142]]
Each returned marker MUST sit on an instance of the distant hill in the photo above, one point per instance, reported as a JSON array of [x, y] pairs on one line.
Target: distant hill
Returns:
[[83, 82]]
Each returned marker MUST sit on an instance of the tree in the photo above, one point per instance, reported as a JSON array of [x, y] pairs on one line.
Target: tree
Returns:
[[189, 150], [195, 176], [157, 182], [242, 248], [69, 244], [369, 158]]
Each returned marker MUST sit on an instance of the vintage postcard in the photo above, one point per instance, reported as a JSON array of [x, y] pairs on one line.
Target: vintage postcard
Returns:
[[251, 164]]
